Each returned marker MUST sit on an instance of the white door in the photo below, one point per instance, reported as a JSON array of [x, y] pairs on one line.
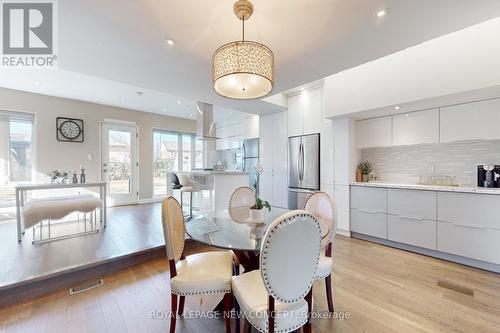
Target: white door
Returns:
[[119, 163]]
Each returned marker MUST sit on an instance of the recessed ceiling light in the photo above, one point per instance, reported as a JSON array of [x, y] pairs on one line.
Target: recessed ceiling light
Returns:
[[191, 115], [123, 99], [37, 83], [169, 41], [382, 13], [179, 102], [164, 109], [397, 107], [230, 113]]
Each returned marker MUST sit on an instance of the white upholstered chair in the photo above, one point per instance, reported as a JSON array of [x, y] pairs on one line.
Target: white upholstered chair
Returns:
[[241, 200], [197, 274], [189, 186], [322, 206], [277, 297]]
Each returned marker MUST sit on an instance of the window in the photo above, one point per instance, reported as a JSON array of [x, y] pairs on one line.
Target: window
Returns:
[[16, 146], [174, 152]]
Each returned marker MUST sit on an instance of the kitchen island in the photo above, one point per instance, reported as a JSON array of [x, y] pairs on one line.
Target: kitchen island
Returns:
[[212, 188]]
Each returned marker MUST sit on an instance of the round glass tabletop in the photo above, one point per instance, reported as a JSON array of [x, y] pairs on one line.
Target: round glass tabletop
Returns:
[[238, 233]]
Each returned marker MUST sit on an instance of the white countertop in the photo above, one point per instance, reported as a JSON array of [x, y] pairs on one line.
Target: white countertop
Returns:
[[203, 172], [441, 188]]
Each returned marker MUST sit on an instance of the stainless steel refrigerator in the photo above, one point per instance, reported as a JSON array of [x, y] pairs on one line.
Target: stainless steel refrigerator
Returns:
[[303, 166], [250, 157]]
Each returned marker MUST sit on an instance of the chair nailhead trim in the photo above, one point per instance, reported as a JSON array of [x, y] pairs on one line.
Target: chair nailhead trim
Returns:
[[266, 248], [208, 292]]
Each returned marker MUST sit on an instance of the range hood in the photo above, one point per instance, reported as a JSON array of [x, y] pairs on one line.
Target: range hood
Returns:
[[205, 126]]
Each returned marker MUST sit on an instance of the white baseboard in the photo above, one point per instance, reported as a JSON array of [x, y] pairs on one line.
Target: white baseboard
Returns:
[[345, 233], [150, 200]]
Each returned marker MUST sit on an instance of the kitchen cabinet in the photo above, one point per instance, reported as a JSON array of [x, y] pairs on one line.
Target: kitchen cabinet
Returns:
[[376, 132], [273, 144], [369, 211], [469, 225], [305, 112], [231, 134], [470, 121], [450, 224], [416, 128], [342, 199], [327, 154], [412, 217], [251, 127]]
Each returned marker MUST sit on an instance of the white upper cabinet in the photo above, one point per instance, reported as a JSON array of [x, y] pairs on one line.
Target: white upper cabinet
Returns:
[[251, 127], [295, 116], [232, 133], [416, 127], [471, 121], [305, 112], [375, 132], [313, 110]]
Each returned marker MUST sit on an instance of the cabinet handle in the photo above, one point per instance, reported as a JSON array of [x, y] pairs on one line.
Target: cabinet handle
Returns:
[[412, 218], [469, 226], [367, 211]]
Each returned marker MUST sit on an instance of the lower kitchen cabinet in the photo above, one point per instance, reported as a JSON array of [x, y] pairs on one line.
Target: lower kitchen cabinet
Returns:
[[414, 231], [369, 223], [469, 241], [458, 226]]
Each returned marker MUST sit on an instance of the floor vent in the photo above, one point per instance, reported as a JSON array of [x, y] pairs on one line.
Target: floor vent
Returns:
[[455, 287], [86, 286]]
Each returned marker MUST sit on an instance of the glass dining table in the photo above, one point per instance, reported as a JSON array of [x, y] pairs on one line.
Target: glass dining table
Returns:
[[236, 232]]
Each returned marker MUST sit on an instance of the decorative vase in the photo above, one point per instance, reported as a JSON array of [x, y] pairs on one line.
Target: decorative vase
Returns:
[[359, 177], [257, 215], [365, 178]]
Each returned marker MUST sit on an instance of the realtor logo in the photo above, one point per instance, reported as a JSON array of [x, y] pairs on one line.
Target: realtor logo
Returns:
[[28, 33]]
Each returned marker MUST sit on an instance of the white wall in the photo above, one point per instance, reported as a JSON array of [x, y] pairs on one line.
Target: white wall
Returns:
[[462, 61], [52, 154]]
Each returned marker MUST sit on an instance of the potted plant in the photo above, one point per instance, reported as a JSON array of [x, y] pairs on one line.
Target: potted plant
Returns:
[[365, 168], [257, 211]]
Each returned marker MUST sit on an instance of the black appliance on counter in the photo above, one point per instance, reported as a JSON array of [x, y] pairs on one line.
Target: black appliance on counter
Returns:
[[488, 175]]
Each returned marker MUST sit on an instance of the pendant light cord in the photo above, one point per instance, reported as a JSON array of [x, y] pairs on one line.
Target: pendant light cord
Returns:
[[243, 27]]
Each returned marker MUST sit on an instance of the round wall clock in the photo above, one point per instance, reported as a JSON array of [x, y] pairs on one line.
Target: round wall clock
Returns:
[[69, 129]]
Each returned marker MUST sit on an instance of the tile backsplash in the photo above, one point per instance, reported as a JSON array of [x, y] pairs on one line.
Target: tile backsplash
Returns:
[[406, 164]]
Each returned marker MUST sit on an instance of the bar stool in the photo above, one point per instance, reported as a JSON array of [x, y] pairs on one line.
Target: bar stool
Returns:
[[188, 186], [176, 184]]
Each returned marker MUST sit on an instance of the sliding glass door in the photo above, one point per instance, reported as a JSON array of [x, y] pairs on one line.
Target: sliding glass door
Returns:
[[173, 151]]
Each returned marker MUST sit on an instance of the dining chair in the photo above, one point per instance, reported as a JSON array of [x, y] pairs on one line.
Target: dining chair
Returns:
[[196, 274], [239, 203], [322, 206], [278, 296]]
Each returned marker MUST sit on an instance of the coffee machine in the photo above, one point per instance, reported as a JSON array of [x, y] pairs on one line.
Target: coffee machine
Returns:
[[488, 175]]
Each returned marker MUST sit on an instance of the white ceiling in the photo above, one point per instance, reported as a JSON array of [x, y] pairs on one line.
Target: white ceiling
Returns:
[[111, 49]]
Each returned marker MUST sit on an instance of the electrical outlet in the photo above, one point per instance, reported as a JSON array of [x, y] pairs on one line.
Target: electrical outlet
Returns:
[[430, 168]]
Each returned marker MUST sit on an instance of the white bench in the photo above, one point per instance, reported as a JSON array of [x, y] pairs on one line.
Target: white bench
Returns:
[[36, 211]]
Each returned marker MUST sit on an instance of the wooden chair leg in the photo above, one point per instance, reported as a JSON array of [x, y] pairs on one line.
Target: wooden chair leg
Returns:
[[246, 326], [173, 313], [227, 311], [329, 297], [237, 316], [307, 327], [182, 299]]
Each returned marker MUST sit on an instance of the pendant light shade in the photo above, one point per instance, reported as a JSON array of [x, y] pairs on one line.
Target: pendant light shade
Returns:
[[243, 69]]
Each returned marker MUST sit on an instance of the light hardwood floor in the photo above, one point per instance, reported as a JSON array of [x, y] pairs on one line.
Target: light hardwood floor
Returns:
[[383, 290]]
